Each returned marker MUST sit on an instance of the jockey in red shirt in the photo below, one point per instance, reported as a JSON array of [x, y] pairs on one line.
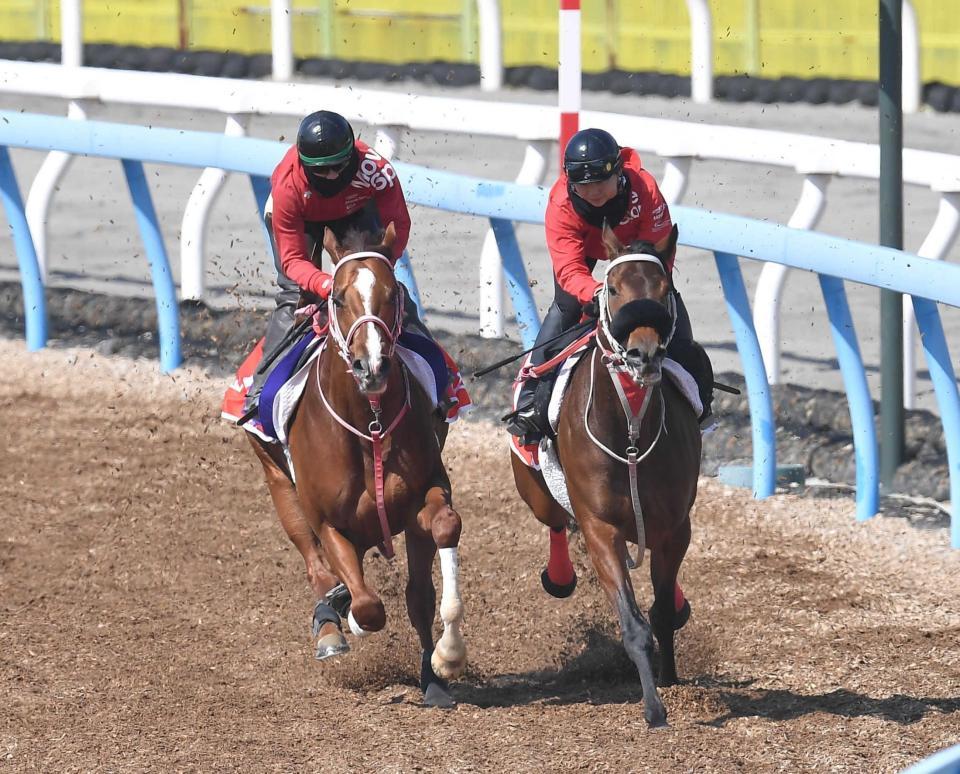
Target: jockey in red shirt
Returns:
[[600, 182], [328, 179]]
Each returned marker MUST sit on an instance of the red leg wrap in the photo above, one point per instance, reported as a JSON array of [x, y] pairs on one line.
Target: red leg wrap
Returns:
[[559, 568]]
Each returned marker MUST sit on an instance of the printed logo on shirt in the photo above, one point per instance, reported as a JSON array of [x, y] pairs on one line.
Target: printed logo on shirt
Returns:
[[633, 212], [660, 216], [372, 175]]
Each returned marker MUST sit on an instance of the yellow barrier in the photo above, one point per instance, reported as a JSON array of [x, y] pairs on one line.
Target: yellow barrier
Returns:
[[836, 39]]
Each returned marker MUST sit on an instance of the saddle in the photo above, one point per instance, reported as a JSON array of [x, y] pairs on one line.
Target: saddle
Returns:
[[426, 361]]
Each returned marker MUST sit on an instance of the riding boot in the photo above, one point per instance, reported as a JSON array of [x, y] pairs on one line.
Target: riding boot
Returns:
[[280, 324], [281, 321]]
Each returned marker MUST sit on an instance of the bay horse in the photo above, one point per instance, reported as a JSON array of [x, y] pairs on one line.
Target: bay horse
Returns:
[[365, 445], [630, 475]]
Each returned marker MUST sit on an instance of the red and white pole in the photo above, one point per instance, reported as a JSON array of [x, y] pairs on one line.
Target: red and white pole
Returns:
[[568, 72]]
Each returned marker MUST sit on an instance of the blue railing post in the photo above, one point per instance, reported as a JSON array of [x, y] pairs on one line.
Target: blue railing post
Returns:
[[858, 396], [168, 311], [758, 390], [523, 304], [945, 385], [34, 301]]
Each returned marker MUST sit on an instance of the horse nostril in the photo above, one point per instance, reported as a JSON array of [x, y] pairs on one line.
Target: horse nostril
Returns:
[[636, 354], [384, 367], [359, 367]]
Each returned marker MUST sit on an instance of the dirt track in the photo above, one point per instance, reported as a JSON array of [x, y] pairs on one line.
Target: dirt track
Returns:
[[155, 617]]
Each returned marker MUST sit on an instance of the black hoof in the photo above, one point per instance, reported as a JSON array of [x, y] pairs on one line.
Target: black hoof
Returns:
[[436, 692], [438, 696], [555, 589]]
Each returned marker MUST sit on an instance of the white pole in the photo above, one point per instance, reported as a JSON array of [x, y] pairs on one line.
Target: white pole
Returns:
[[676, 173], [281, 33], [911, 86], [491, 45], [71, 33], [568, 72], [773, 276], [701, 54], [491, 265], [942, 235], [193, 227]]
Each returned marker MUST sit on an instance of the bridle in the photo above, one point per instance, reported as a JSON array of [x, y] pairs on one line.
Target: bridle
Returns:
[[391, 331], [375, 429], [613, 355]]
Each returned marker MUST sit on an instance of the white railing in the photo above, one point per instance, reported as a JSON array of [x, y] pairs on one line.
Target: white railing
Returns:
[[491, 47], [815, 159]]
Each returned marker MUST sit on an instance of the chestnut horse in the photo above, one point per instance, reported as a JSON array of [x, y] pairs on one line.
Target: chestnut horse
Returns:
[[365, 445], [626, 474]]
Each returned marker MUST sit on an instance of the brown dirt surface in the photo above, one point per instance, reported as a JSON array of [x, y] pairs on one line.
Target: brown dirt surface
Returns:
[[155, 617]]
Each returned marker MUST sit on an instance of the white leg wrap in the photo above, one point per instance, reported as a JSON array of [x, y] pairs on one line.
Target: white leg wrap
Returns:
[[355, 627], [450, 654]]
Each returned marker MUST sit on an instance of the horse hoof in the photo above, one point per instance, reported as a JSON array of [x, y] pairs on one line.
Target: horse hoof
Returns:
[[656, 717], [330, 646], [448, 668], [555, 589], [438, 696]]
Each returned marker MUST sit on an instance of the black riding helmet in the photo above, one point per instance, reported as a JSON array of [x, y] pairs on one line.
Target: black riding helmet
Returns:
[[591, 155], [325, 141]]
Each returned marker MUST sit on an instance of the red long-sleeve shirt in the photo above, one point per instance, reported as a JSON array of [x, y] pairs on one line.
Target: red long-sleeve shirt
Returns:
[[571, 240], [295, 203]]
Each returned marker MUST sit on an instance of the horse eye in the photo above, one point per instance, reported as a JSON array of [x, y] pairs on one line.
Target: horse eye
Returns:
[[337, 301], [612, 291]]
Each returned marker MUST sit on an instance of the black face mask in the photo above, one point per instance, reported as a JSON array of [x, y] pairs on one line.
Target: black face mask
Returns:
[[612, 211], [331, 186]]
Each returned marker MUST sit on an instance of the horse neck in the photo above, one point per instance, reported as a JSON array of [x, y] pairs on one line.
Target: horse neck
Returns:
[[616, 422], [343, 395]]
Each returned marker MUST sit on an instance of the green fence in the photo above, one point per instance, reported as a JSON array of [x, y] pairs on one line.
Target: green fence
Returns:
[[767, 38]]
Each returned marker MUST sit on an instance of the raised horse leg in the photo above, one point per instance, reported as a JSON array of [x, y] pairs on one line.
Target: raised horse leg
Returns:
[[607, 547], [665, 559], [326, 624], [437, 526], [367, 614], [558, 578]]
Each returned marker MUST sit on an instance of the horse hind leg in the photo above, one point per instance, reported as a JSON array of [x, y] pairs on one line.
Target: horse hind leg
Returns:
[[558, 578], [328, 637], [607, 547]]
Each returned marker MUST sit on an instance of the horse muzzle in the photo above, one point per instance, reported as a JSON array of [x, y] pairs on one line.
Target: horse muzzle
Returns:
[[372, 379], [645, 368]]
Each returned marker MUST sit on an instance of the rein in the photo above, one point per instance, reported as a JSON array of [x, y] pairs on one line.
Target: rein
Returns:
[[377, 435], [614, 358]]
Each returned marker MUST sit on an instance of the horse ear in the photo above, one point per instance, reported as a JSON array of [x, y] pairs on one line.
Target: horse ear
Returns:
[[667, 247], [610, 241], [389, 235], [331, 245]]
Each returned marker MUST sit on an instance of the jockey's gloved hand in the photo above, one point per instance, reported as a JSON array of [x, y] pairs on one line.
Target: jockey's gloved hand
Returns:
[[325, 285]]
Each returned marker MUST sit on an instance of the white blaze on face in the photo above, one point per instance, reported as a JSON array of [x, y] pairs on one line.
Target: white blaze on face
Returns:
[[365, 281]]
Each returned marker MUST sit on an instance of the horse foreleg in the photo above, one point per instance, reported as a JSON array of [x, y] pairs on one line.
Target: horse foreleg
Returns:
[[294, 523], [421, 607], [329, 640], [665, 560], [367, 613], [450, 654], [559, 578], [607, 547]]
